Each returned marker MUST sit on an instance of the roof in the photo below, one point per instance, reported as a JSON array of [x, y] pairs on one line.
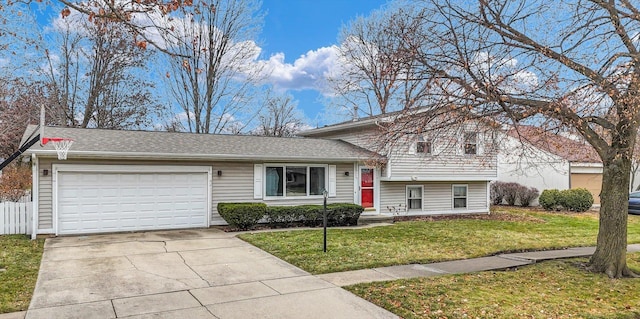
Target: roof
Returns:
[[568, 149], [356, 123], [91, 143]]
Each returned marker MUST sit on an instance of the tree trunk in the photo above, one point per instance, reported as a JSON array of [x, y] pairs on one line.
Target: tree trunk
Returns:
[[610, 256]]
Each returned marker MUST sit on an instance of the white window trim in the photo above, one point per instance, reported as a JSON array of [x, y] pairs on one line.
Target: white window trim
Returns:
[[453, 197], [284, 190], [464, 143], [406, 195]]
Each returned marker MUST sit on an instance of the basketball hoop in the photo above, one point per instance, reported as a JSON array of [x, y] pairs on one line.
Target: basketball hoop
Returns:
[[62, 145]]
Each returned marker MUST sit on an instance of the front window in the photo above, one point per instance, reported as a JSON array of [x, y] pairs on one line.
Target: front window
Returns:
[[459, 196], [294, 181], [414, 197], [470, 143]]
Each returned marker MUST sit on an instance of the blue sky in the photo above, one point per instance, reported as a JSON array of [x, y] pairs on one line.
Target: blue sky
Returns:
[[295, 27], [297, 42]]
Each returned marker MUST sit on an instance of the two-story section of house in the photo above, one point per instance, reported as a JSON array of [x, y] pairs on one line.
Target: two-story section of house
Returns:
[[433, 172]]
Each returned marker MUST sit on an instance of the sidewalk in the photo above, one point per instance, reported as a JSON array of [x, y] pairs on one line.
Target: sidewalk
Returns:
[[421, 270], [457, 266]]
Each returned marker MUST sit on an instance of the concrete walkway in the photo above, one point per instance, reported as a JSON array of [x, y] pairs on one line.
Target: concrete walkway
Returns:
[[212, 274], [498, 262], [181, 274]]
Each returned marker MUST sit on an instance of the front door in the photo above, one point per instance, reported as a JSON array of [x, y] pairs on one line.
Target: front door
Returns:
[[366, 187]]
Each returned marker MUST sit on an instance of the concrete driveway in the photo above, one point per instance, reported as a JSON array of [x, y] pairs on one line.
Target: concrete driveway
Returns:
[[181, 274]]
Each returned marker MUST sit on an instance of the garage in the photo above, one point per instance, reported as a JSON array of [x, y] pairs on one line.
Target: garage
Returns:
[[591, 181], [117, 198]]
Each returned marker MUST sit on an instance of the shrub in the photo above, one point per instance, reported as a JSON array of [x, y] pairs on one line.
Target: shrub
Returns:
[[242, 215], [527, 195], [511, 191], [578, 199], [550, 199], [338, 214], [496, 192], [344, 214]]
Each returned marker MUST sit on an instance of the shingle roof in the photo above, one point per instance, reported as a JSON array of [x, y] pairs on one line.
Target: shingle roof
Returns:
[[148, 144], [568, 149]]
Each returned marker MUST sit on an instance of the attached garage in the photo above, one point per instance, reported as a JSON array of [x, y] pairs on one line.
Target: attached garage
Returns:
[[116, 198], [591, 181]]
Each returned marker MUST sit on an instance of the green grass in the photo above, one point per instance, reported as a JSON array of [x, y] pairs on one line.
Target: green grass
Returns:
[[432, 241], [20, 257], [552, 289]]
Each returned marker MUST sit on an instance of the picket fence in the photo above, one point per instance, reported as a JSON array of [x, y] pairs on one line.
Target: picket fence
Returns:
[[15, 218]]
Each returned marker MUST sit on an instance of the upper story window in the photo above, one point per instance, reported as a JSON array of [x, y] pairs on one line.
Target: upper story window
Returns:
[[471, 143], [294, 181], [423, 146]]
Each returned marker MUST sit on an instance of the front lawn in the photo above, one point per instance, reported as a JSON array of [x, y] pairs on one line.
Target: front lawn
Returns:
[[552, 289], [506, 230], [19, 264]]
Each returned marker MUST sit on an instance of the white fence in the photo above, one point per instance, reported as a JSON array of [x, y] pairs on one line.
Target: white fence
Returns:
[[15, 218]]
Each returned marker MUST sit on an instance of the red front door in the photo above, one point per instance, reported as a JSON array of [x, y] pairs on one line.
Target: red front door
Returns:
[[366, 187]]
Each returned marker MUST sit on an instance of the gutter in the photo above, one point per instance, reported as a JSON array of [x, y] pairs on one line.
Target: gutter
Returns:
[[170, 156]]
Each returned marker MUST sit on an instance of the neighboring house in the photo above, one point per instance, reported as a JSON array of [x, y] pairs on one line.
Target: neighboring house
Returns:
[[423, 174], [544, 160], [114, 181]]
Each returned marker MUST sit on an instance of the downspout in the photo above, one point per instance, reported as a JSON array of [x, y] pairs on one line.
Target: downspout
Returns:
[[35, 194]]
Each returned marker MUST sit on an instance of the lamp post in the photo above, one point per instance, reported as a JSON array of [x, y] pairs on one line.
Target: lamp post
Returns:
[[324, 221]]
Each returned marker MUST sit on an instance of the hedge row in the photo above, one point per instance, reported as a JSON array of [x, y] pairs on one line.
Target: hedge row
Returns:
[[578, 199], [512, 193], [247, 215]]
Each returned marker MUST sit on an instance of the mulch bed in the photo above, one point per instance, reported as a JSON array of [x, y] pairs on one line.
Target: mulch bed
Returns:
[[499, 216]]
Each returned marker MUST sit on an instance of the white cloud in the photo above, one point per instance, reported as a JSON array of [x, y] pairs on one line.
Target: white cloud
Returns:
[[309, 71]]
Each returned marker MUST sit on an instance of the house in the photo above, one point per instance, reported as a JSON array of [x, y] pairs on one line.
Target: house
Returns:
[[424, 174], [544, 160], [114, 181]]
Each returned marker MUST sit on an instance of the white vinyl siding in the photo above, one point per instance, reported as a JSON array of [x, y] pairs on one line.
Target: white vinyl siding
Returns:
[[235, 184], [436, 198], [445, 163]]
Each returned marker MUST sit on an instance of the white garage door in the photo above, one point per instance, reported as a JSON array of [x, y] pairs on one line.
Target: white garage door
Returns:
[[94, 202]]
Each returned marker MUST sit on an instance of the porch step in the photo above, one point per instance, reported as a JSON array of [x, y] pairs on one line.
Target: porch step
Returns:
[[374, 219]]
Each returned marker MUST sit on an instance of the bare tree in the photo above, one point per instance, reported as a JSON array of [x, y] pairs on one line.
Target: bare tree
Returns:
[[570, 66], [212, 76], [96, 79], [19, 106], [377, 69], [279, 117]]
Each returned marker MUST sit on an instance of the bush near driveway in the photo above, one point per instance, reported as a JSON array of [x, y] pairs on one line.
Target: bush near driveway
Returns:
[[551, 289], [505, 230], [242, 215], [20, 259]]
